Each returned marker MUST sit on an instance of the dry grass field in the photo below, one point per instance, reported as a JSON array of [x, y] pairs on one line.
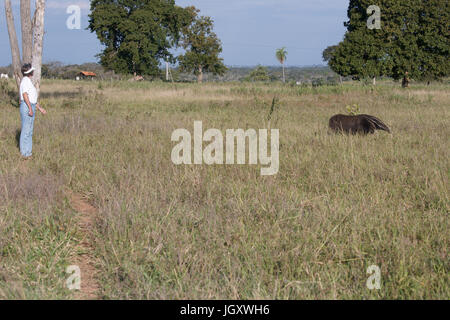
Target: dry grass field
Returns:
[[338, 205]]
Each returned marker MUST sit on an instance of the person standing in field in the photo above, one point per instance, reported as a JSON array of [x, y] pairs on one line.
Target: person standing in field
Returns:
[[28, 105]]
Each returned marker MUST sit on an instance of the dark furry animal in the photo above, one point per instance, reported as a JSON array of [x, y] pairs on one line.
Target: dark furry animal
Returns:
[[362, 123]]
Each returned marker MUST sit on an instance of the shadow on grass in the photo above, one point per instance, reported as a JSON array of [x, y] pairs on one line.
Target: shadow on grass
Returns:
[[18, 132]]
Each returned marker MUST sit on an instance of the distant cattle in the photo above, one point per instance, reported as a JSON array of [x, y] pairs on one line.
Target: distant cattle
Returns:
[[4, 76]]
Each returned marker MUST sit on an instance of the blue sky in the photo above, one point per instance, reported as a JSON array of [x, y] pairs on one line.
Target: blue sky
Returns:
[[250, 30]]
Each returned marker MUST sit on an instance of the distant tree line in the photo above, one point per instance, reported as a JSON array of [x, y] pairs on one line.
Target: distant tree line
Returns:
[[58, 70], [308, 75], [303, 75]]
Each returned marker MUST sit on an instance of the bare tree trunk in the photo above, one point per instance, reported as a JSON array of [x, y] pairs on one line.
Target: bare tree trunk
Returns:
[[38, 41], [15, 52], [200, 74], [27, 31], [167, 71], [284, 75], [374, 81]]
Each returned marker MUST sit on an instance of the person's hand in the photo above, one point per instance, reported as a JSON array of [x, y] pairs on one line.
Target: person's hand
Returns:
[[42, 110], [30, 113]]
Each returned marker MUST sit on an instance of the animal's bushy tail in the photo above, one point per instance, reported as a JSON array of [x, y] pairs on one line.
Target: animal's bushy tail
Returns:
[[376, 123]]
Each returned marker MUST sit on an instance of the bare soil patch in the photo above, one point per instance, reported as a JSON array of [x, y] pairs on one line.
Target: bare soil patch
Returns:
[[85, 258]]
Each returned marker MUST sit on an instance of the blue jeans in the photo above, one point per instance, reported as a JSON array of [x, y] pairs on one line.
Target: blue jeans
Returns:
[[26, 135]]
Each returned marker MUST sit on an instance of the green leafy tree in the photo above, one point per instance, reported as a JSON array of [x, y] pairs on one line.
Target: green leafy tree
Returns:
[[328, 53], [137, 34], [431, 37], [260, 73], [281, 55], [202, 47], [413, 37], [361, 53]]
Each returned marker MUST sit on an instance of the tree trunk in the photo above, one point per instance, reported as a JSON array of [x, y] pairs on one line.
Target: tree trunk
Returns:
[[374, 81], [167, 71], [15, 52], [38, 41], [340, 79], [200, 74], [27, 31], [284, 75]]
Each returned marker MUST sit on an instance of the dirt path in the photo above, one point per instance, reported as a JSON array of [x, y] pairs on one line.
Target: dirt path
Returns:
[[85, 258]]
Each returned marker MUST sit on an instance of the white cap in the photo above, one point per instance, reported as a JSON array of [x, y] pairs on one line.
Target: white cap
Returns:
[[29, 71]]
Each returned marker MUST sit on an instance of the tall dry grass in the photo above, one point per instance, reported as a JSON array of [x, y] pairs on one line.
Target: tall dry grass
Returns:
[[338, 204]]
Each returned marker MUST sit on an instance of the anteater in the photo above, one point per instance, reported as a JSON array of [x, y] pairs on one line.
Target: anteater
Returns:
[[362, 123]]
